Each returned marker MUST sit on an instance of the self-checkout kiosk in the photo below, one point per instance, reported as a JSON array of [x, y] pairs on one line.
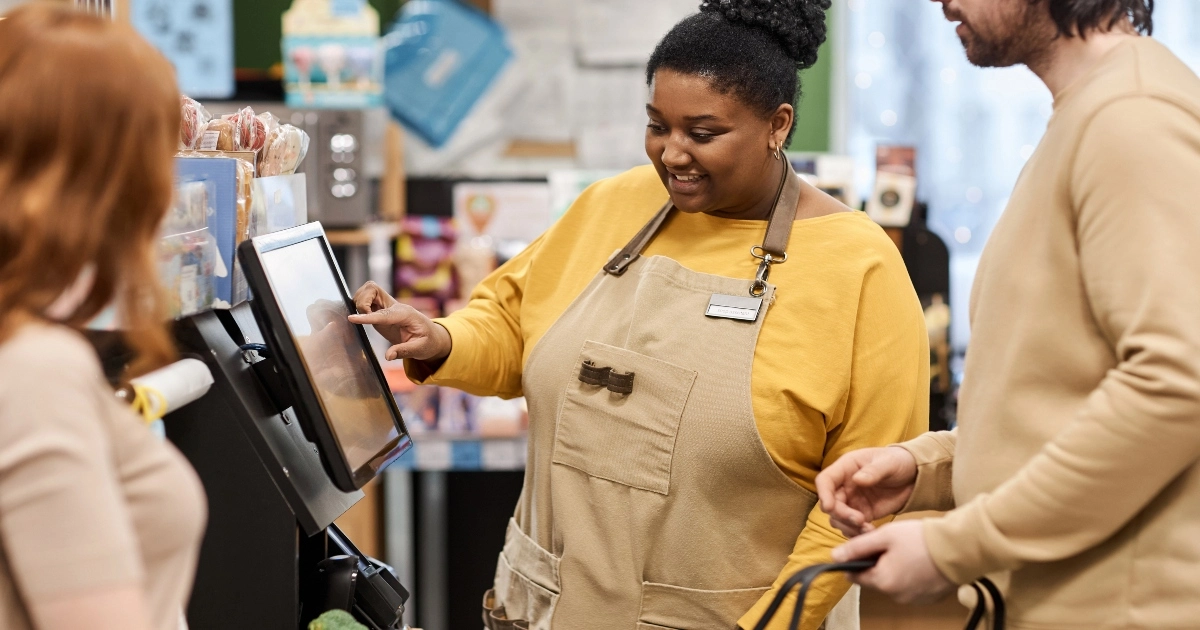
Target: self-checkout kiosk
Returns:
[[298, 419]]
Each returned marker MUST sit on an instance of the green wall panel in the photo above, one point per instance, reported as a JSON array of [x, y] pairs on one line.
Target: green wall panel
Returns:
[[812, 118]]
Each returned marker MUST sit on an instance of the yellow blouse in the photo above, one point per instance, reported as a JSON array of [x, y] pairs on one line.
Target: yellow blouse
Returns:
[[842, 361]]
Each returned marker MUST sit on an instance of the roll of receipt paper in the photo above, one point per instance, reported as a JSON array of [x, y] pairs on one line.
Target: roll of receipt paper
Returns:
[[175, 385]]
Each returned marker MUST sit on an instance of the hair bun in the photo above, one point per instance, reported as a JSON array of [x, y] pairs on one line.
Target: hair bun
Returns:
[[799, 25]]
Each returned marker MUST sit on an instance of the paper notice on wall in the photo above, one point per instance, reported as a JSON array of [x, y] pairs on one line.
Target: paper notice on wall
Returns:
[[509, 211], [566, 185], [624, 32], [541, 109], [612, 146], [608, 109], [608, 95], [525, 15]]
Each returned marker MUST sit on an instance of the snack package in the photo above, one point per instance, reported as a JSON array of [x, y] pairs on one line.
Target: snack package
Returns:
[[249, 131], [245, 179], [218, 135], [245, 184], [187, 251], [284, 151], [270, 124], [195, 120]]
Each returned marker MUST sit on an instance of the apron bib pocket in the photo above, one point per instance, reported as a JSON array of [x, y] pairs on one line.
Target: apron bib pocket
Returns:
[[678, 608], [625, 438]]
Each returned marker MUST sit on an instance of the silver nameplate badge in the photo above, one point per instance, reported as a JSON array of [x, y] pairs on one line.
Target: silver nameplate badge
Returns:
[[734, 307]]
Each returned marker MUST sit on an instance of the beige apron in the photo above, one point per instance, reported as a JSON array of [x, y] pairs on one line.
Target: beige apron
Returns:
[[650, 501]]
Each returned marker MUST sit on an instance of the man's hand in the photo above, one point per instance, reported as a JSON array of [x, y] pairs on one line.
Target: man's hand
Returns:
[[413, 335], [905, 571], [866, 485]]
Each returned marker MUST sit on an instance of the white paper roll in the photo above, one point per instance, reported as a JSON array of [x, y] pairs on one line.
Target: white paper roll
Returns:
[[180, 383]]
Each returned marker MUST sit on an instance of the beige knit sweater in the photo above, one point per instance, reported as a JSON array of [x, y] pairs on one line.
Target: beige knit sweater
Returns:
[[1074, 464]]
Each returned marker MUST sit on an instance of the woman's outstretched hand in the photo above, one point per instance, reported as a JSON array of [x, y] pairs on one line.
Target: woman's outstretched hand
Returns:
[[412, 334], [866, 485]]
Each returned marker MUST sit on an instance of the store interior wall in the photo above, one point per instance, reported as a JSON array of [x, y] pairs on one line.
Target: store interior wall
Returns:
[[540, 33], [907, 81]]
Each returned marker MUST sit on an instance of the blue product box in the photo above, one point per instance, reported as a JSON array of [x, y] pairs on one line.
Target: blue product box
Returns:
[[222, 172], [440, 57]]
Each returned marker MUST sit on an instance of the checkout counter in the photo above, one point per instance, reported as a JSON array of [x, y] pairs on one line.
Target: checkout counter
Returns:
[[297, 420]]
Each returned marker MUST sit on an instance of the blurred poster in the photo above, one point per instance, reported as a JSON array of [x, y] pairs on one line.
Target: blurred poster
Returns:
[[505, 211], [566, 186], [895, 158], [196, 36]]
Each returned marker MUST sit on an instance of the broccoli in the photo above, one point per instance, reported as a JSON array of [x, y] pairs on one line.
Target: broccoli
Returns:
[[335, 620]]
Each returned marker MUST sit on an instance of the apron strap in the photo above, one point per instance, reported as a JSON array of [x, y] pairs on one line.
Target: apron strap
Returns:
[[621, 261], [779, 228]]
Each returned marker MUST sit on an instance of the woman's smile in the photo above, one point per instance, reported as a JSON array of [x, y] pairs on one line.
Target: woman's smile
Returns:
[[687, 184]]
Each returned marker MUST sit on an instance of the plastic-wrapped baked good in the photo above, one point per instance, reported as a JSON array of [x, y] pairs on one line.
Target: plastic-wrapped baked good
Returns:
[[284, 151], [250, 131], [245, 177], [195, 120], [269, 124], [218, 135]]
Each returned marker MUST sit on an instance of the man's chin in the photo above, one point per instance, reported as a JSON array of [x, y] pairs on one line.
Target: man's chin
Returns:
[[985, 56]]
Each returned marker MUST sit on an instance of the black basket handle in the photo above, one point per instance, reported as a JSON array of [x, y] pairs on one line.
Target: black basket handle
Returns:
[[806, 577]]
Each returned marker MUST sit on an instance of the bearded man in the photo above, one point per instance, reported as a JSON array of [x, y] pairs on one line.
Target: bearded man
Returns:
[[1072, 475]]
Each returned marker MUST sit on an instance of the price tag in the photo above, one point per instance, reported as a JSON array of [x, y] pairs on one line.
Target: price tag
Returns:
[[466, 455], [502, 455], [434, 455]]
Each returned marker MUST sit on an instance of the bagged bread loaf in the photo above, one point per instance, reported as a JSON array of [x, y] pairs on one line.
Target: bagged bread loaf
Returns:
[[250, 131], [245, 177], [284, 151], [218, 135], [195, 120]]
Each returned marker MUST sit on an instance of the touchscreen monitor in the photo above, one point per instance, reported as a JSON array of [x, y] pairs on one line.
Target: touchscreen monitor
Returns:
[[339, 389]]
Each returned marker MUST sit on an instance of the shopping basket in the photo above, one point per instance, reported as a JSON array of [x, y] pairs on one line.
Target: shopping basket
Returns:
[[805, 578]]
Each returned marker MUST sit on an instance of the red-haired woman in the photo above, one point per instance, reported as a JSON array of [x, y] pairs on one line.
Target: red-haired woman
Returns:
[[99, 521]]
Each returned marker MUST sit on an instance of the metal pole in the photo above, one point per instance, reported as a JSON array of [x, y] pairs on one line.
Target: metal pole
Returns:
[[399, 533], [434, 578]]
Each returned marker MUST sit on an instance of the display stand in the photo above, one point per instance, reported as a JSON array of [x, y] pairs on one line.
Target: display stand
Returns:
[[928, 261], [271, 554]]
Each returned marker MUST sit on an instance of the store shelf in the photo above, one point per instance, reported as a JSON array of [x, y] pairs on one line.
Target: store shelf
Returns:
[[463, 452], [361, 237]]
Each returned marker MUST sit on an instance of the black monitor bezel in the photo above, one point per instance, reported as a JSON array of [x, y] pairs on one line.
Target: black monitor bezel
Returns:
[[311, 412]]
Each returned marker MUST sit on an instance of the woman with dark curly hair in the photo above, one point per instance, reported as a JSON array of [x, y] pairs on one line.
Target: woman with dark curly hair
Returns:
[[685, 392]]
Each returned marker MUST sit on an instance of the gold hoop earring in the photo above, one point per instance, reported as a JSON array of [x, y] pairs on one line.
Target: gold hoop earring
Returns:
[[779, 152]]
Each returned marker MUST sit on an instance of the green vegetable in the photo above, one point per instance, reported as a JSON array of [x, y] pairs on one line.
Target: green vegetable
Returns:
[[335, 620]]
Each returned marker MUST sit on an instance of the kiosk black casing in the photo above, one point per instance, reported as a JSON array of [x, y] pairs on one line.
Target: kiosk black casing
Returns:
[[271, 502]]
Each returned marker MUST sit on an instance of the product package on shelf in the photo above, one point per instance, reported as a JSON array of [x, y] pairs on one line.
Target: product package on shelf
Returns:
[[187, 255], [424, 259], [419, 406], [222, 174], [283, 151], [277, 203], [251, 161], [271, 148], [331, 54], [195, 122], [447, 411]]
